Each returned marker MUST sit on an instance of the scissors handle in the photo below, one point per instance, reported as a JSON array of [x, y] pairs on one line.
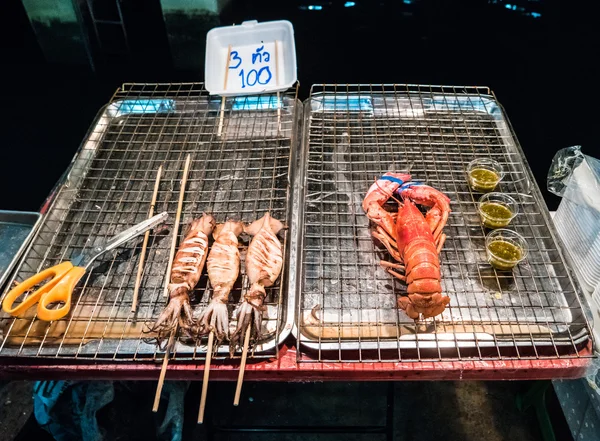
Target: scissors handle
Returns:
[[55, 273], [60, 293], [63, 278]]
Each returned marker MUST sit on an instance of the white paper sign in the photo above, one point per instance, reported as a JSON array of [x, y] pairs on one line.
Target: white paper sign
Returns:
[[251, 58]]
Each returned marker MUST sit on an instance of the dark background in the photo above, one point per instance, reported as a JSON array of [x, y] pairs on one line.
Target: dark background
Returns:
[[539, 57]]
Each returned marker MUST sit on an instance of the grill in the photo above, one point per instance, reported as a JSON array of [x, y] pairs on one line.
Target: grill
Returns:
[[240, 169], [347, 303]]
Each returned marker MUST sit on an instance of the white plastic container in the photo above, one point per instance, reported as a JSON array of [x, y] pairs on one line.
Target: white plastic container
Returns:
[[576, 178], [578, 223], [262, 58], [595, 307]]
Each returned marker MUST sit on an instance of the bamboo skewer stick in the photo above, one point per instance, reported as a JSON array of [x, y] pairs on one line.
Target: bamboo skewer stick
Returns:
[[138, 278], [227, 67], [240, 380], [186, 170], [222, 113], [163, 370], [207, 362], [276, 63], [277, 84], [220, 130]]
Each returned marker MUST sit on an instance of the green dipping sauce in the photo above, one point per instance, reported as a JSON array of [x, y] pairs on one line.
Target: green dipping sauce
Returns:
[[483, 180], [504, 255], [495, 215]]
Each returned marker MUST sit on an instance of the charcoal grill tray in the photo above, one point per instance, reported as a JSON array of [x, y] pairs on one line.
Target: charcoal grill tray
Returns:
[[347, 302], [240, 169]]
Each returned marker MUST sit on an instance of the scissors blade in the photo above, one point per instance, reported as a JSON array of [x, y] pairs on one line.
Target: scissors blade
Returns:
[[121, 238]]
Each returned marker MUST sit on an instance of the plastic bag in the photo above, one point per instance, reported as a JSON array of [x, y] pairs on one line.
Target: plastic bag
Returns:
[[576, 177], [67, 409]]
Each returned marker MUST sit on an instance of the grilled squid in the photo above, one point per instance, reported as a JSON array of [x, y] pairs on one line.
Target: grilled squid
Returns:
[[185, 274], [223, 266], [264, 261]]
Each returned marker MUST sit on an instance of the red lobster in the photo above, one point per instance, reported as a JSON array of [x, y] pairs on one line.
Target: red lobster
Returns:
[[412, 240]]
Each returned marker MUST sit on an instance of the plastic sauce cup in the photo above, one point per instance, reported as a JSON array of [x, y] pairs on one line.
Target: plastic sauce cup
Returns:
[[484, 174], [497, 210], [505, 249]]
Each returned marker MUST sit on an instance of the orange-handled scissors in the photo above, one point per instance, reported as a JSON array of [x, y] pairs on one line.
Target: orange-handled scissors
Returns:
[[64, 277]]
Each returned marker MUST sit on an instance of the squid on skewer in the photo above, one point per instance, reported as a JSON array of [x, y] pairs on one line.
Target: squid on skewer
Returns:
[[185, 274], [223, 266], [264, 261]]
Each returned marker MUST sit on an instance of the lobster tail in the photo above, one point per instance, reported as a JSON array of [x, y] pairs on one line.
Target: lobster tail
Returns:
[[423, 278], [428, 306], [423, 268]]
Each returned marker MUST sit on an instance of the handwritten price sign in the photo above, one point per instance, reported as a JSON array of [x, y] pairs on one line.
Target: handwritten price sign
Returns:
[[252, 67], [251, 58]]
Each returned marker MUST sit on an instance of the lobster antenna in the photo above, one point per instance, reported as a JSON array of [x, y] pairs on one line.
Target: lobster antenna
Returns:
[[397, 200]]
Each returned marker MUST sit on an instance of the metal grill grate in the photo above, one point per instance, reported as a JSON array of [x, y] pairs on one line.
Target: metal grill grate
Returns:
[[240, 171], [347, 305]]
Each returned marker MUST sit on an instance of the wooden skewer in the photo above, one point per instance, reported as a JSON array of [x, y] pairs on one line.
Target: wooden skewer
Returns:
[[276, 63], [222, 113], [209, 350], [277, 84], [240, 380], [220, 130], [227, 67], [163, 370], [278, 113], [138, 278], [186, 169]]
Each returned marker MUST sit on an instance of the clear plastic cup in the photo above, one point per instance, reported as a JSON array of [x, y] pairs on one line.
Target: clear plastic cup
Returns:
[[484, 174], [497, 210], [505, 249]]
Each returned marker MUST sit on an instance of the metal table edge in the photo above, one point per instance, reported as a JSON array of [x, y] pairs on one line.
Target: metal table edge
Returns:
[[287, 368]]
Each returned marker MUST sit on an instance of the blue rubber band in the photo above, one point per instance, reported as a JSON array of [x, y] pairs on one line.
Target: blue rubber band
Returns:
[[408, 185], [392, 179]]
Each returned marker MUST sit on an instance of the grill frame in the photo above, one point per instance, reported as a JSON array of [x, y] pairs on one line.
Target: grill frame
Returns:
[[422, 345], [247, 122]]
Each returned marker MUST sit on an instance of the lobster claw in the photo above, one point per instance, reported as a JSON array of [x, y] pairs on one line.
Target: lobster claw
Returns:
[[437, 202]]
